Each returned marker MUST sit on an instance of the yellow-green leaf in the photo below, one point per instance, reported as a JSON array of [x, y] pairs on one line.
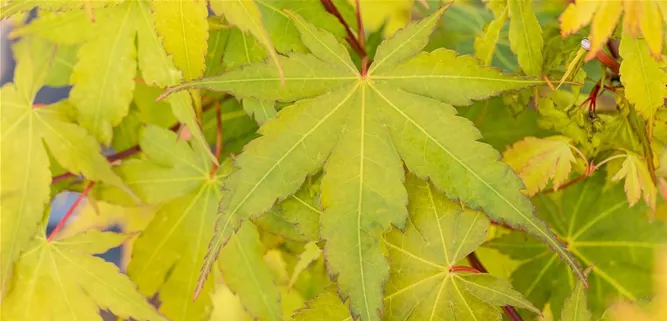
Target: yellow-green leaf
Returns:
[[525, 35], [245, 273], [538, 160], [485, 45], [642, 78], [61, 280], [638, 180], [183, 28], [25, 163], [246, 16]]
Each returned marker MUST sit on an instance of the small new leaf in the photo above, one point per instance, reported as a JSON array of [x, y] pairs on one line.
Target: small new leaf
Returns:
[[638, 180], [538, 160], [575, 307]]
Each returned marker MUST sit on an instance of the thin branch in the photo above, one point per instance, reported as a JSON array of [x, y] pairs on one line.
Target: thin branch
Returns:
[[351, 38], [568, 184], [468, 269], [71, 210], [122, 154], [361, 37], [509, 310]]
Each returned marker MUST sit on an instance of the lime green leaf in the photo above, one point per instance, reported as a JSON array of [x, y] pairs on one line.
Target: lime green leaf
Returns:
[[362, 196], [62, 66], [485, 45], [170, 250], [455, 80], [525, 36], [66, 282], [183, 28], [305, 76], [600, 230], [101, 63], [242, 49], [575, 307], [311, 252], [245, 273], [218, 40], [538, 160], [246, 16], [11, 7], [326, 306], [62, 28], [361, 126], [303, 210], [643, 79], [261, 110], [227, 306], [404, 44], [423, 284], [638, 180], [25, 164], [149, 111]]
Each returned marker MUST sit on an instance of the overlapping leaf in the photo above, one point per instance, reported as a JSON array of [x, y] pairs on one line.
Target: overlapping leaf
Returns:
[[423, 285], [538, 160], [642, 78], [525, 36], [638, 180], [575, 307], [26, 131], [638, 16], [62, 280], [177, 178], [601, 230], [399, 110], [102, 77]]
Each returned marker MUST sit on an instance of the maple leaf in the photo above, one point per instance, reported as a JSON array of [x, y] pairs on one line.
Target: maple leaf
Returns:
[[575, 307], [244, 271], [424, 283], [599, 229], [26, 132], [388, 115], [525, 36], [485, 44], [642, 78], [639, 17], [633, 311], [637, 180], [177, 179], [245, 15], [102, 62], [62, 280], [537, 160], [12, 7]]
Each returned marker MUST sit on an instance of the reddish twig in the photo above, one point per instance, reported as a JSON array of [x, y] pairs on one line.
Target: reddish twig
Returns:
[[361, 37], [70, 211], [509, 310], [468, 269], [218, 137], [351, 38], [111, 158], [568, 184]]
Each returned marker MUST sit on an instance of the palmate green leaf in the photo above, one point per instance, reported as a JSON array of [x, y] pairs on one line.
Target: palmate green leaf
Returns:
[[26, 131], [422, 285], [246, 16], [362, 126], [525, 36], [183, 28], [177, 178], [485, 45], [601, 230], [62, 280], [261, 110], [244, 271], [103, 76], [575, 307], [642, 78]]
